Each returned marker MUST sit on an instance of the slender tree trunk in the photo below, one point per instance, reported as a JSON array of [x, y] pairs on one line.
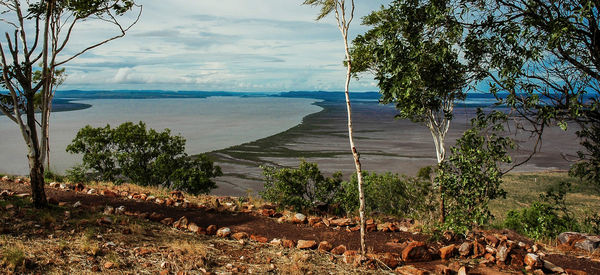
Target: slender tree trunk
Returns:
[[36, 166], [438, 132]]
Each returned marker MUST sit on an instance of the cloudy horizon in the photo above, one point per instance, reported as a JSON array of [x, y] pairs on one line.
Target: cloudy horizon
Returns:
[[236, 45]]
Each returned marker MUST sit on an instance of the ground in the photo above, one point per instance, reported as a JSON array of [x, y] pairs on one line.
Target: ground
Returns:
[[80, 234]]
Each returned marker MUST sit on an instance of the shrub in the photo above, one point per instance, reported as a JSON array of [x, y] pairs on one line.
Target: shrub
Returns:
[[50, 176], [387, 194], [470, 178], [78, 173], [144, 157], [546, 217], [302, 188]]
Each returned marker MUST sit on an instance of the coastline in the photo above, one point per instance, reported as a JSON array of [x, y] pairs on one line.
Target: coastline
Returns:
[[385, 144]]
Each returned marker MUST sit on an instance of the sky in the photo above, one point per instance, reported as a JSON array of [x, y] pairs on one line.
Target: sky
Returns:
[[225, 45]]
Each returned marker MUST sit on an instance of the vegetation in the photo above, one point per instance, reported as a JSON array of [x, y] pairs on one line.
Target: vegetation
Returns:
[[471, 177], [302, 189], [130, 152], [38, 34]]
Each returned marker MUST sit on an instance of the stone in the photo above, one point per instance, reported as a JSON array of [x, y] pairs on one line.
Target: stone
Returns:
[[306, 244], [5, 178], [447, 252], [313, 220], [299, 218], [351, 256], [240, 235], [120, 210], [267, 212], [478, 250], [589, 244], [281, 220], [389, 260], [491, 240], [569, 238], [416, 251], [108, 193], [371, 227], [223, 232], [443, 270], [341, 222], [92, 191], [288, 243], [259, 239], [275, 242], [105, 220], [77, 204], [462, 270], [502, 253], [157, 217], [211, 230], [532, 260], [465, 249], [79, 187], [182, 223], [410, 270], [552, 267], [63, 186], [339, 250], [52, 184], [109, 265], [193, 227], [159, 201], [575, 272], [325, 246]]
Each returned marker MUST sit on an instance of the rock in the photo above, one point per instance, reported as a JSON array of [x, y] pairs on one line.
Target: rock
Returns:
[[351, 257], [299, 218], [157, 217], [259, 239], [569, 238], [465, 249], [325, 246], [109, 265], [338, 250], [478, 250], [105, 220], [288, 243], [52, 184], [240, 235], [275, 242], [150, 198], [9, 206], [169, 202], [491, 240], [92, 191], [211, 230], [63, 186], [306, 244], [62, 203], [79, 187], [120, 210], [193, 227], [281, 219], [502, 253], [410, 270], [167, 221], [108, 193], [159, 201], [552, 267], [313, 220], [444, 270], [77, 204], [389, 260], [182, 223], [462, 270], [109, 210], [371, 227], [532, 260], [341, 222], [447, 252], [223, 232], [490, 257], [267, 212], [5, 178], [589, 244], [416, 251], [18, 180], [575, 272]]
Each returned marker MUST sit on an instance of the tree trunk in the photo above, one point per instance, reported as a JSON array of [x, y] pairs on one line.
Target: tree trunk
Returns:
[[36, 174]]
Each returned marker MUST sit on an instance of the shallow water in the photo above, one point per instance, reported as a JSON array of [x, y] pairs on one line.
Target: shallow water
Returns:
[[206, 123]]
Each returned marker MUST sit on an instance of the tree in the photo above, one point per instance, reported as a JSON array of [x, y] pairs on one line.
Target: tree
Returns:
[[471, 176], [412, 49], [344, 16], [541, 58], [30, 58], [144, 157]]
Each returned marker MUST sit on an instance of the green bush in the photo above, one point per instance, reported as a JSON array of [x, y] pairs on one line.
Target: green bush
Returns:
[[547, 217], [302, 188], [387, 194], [50, 176], [144, 157], [78, 173]]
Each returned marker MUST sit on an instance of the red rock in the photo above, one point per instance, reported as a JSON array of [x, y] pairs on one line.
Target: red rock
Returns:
[[109, 265], [410, 270], [288, 243], [306, 244], [193, 227], [339, 250], [181, 223], [240, 235], [177, 195], [167, 221], [267, 212], [351, 257], [447, 252], [164, 272], [320, 225], [389, 260], [313, 220], [259, 239], [463, 270], [416, 251], [575, 272], [491, 240], [478, 250], [299, 218], [341, 222], [443, 270], [211, 230], [532, 260], [371, 227], [223, 232], [517, 260], [169, 202], [325, 246], [159, 201], [79, 187], [489, 257], [353, 229], [465, 249], [108, 193]]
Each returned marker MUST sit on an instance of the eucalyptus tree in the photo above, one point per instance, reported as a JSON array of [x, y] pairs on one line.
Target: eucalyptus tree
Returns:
[[344, 14], [541, 58], [31, 54], [412, 49]]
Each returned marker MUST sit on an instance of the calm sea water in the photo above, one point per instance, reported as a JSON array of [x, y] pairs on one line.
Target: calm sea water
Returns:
[[206, 123]]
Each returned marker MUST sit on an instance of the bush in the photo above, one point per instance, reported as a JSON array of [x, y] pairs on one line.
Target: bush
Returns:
[[546, 217], [143, 157], [78, 173], [470, 178], [387, 194], [302, 188], [50, 176]]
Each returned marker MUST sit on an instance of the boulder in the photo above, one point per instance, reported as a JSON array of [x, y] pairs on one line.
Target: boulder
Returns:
[[341, 222], [299, 218], [325, 246], [416, 251], [306, 244], [569, 238], [338, 250], [532, 260], [223, 232], [447, 252], [240, 235], [502, 253], [589, 244]]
